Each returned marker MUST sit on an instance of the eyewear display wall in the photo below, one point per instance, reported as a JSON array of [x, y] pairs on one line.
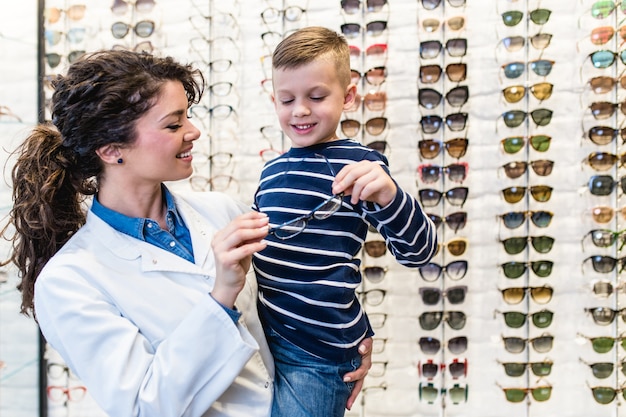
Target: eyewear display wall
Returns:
[[504, 119]]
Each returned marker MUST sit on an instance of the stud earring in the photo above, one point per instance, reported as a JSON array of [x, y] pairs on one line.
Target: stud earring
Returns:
[[119, 161]]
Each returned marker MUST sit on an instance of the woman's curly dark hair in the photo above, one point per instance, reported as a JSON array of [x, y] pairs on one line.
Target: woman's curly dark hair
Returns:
[[97, 103]]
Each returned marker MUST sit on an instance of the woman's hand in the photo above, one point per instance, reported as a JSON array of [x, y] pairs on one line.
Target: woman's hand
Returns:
[[233, 247], [365, 349]]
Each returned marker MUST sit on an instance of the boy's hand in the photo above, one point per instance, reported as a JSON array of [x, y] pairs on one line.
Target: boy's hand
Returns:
[[365, 181], [365, 349]]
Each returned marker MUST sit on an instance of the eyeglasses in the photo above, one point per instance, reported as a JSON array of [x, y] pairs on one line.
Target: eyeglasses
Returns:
[[456, 393], [604, 214], [516, 369], [374, 274], [541, 193], [456, 47], [603, 8], [219, 112], [218, 159], [354, 6], [430, 320], [605, 315], [455, 270], [75, 12], [374, 126], [604, 344], [373, 297], [539, 41], [456, 246], [605, 264], [377, 320], [601, 110], [63, 393], [375, 248], [454, 23], [374, 76], [603, 370], [429, 174], [603, 161], [456, 221], [516, 319], [515, 245], [541, 344], [515, 93], [432, 295], [145, 46], [374, 28], [605, 58], [455, 196], [430, 346], [603, 185], [515, 219], [433, 4], [537, 16], [73, 35], [59, 370], [378, 345], [514, 118], [322, 211], [455, 122], [603, 238], [143, 29], [606, 395], [431, 98], [541, 67], [431, 148], [603, 135], [514, 144], [515, 295], [603, 83], [429, 368], [222, 182], [291, 14], [456, 72], [515, 169], [516, 395], [515, 269]]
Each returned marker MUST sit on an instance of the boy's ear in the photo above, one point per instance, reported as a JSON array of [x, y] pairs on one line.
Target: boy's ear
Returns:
[[110, 154], [348, 99]]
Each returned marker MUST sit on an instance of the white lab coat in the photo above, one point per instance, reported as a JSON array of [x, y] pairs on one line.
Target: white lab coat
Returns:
[[139, 328]]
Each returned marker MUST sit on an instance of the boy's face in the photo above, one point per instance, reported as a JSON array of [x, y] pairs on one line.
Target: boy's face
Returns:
[[309, 101]]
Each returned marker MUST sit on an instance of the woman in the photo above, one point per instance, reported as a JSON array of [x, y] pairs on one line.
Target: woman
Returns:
[[145, 295]]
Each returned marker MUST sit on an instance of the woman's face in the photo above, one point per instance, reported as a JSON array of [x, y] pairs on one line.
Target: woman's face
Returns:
[[162, 149]]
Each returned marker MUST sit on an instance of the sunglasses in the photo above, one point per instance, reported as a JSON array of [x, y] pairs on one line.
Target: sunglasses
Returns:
[[431, 148], [603, 161], [605, 58], [515, 169], [455, 122], [540, 193], [375, 248], [603, 84], [430, 320], [432, 271], [604, 238], [430, 346], [375, 274], [374, 76], [604, 214], [431, 98], [604, 344], [603, 8], [379, 145], [456, 393], [517, 369], [604, 289], [456, 47], [120, 7], [606, 395], [75, 12], [540, 41], [143, 29], [456, 172], [429, 369], [354, 6], [516, 319], [353, 30], [514, 144], [515, 245], [73, 35], [603, 34], [433, 4], [432, 295], [456, 246], [603, 370], [601, 110], [603, 185], [603, 135], [430, 197], [515, 93], [604, 316], [538, 16], [514, 118], [541, 344], [605, 264], [456, 221], [54, 59], [516, 395], [430, 74], [374, 101], [375, 50], [374, 297], [541, 67], [515, 269], [454, 24], [515, 295], [374, 126]]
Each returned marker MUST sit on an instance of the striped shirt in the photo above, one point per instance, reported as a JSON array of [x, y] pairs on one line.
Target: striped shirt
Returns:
[[307, 284]]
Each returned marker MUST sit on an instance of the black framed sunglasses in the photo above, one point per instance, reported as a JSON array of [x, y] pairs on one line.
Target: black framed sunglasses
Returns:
[[455, 122], [456, 72], [456, 47], [514, 219], [456, 221], [430, 197], [431, 346]]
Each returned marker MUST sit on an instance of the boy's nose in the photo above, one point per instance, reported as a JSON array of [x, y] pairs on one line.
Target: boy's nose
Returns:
[[301, 110]]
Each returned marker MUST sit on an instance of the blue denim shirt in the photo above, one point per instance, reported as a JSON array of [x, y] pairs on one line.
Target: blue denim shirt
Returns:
[[177, 239]]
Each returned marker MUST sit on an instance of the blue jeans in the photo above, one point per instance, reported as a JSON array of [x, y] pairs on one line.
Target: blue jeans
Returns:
[[306, 385]]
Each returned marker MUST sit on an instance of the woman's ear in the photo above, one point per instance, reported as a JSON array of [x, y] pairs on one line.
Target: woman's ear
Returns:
[[110, 154]]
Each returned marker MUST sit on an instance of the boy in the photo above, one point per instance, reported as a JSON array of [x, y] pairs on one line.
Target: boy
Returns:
[[320, 197]]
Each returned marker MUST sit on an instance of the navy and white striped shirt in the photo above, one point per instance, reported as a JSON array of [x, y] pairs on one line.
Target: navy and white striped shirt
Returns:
[[307, 284]]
